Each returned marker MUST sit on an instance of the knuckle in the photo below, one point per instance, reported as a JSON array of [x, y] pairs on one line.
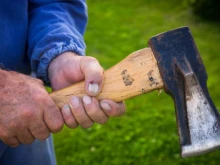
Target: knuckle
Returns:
[[91, 62], [87, 124], [40, 81], [40, 131], [13, 125], [27, 140], [92, 59], [43, 136], [53, 119], [13, 145], [11, 141], [57, 127], [27, 113], [37, 128], [72, 125], [97, 115], [103, 120], [39, 97], [119, 109]]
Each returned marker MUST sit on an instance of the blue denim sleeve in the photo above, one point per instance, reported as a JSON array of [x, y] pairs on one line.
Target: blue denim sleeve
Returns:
[[54, 27]]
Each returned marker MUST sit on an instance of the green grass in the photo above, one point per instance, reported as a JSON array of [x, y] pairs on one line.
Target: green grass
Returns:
[[147, 133]]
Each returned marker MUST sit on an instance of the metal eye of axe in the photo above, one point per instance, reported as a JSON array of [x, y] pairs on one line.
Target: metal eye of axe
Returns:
[[171, 63]]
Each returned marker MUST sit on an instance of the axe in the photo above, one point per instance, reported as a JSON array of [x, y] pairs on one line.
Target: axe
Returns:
[[171, 63]]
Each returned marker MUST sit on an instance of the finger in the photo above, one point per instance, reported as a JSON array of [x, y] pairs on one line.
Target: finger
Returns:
[[93, 73], [68, 117], [53, 117], [93, 110], [12, 141], [79, 112], [39, 130], [112, 108], [8, 137], [25, 137]]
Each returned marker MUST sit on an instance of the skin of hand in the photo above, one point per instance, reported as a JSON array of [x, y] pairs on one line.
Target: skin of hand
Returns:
[[70, 68], [26, 110]]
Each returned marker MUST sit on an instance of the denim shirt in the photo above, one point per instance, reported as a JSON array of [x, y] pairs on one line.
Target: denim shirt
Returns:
[[33, 32]]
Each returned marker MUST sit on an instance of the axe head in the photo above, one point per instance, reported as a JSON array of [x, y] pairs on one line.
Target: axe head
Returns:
[[184, 78]]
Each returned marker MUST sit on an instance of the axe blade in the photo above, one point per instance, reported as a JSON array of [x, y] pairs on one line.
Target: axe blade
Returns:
[[184, 78]]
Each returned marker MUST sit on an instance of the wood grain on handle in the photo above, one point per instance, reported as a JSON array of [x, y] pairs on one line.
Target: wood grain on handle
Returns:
[[135, 75]]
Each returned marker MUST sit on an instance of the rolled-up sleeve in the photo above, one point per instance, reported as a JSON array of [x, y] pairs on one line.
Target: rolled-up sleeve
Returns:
[[54, 27]]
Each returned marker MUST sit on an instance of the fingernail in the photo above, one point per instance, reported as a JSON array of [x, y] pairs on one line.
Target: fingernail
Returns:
[[86, 100], [74, 101], [66, 110], [93, 88], [105, 106]]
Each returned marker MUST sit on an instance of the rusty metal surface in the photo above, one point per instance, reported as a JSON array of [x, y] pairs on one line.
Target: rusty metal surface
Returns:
[[184, 78]]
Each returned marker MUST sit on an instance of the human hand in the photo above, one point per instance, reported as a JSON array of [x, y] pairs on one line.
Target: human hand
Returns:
[[26, 110], [69, 68]]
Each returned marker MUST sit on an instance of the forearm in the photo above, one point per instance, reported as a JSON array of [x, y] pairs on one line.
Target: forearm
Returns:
[[55, 28]]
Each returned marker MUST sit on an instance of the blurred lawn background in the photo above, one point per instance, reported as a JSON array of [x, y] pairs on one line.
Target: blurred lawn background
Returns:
[[147, 133]]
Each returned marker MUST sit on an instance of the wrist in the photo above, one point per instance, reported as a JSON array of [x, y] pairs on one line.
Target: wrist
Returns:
[[58, 63]]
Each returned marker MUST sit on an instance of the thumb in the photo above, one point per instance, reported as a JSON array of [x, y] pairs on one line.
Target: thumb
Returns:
[[93, 73]]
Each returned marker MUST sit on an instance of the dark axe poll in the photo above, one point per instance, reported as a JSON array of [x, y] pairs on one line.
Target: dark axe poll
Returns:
[[171, 63]]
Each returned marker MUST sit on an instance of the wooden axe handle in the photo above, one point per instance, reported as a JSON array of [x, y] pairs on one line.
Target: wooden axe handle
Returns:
[[135, 75]]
